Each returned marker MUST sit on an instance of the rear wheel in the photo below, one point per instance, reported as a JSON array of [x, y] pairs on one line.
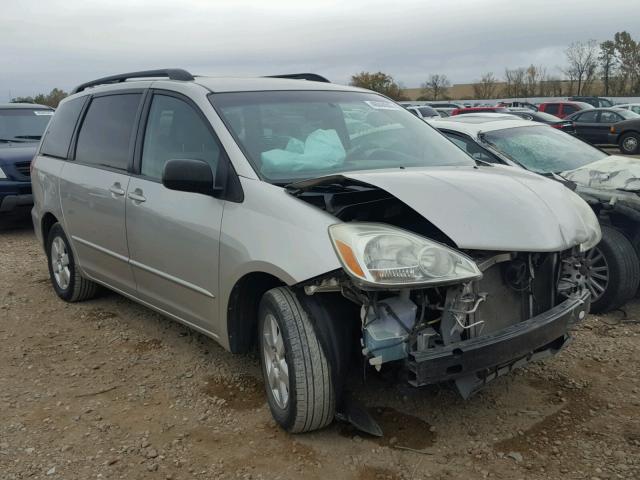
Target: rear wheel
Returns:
[[613, 271], [66, 279], [297, 375], [630, 143]]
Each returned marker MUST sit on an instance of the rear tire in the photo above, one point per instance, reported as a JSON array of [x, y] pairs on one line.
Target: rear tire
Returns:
[[66, 279], [297, 374], [616, 252], [630, 143]]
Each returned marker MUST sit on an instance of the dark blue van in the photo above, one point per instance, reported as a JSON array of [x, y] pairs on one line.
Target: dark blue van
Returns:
[[21, 127]]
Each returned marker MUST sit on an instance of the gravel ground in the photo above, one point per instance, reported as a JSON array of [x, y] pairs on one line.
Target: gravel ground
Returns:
[[109, 389]]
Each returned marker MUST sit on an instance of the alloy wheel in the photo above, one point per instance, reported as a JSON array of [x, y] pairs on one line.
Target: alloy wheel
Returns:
[[598, 273], [275, 362], [60, 263]]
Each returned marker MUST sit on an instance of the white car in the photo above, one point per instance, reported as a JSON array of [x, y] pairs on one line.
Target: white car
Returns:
[[609, 183], [634, 107]]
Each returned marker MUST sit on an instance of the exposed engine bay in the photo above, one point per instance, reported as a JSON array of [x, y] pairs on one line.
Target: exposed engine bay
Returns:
[[514, 312]]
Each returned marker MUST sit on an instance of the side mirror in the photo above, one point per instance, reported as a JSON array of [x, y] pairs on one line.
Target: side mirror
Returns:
[[188, 175]]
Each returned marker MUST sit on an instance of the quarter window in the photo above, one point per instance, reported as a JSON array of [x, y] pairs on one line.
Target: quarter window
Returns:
[[176, 131], [107, 131], [58, 136]]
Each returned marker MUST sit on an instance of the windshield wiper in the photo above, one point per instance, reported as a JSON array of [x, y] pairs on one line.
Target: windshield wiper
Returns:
[[11, 140], [30, 137]]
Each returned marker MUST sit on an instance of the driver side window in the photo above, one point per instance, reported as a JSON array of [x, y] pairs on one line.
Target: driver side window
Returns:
[[176, 131]]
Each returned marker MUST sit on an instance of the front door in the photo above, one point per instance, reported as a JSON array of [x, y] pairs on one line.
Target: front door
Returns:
[[93, 188], [174, 236]]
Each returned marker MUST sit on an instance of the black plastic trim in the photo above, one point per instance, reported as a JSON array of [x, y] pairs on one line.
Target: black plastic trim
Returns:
[[170, 73]]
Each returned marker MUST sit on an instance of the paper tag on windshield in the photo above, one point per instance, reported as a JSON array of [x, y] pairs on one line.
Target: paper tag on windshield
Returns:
[[382, 105], [43, 112]]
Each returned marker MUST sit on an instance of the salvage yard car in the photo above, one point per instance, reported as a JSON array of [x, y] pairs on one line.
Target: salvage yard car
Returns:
[[609, 183], [21, 126], [316, 220]]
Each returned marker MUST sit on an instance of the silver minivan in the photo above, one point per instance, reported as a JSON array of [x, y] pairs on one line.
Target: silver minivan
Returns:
[[320, 222]]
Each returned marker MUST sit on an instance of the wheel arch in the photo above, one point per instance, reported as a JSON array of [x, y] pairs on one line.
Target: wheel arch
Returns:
[[242, 308], [48, 221]]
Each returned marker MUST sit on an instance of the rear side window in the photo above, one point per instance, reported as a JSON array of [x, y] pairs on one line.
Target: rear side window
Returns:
[[610, 117], [552, 108], [58, 137], [569, 109], [106, 133]]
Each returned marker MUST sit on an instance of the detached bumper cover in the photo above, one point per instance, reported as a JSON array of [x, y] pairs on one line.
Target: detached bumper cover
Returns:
[[487, 357]]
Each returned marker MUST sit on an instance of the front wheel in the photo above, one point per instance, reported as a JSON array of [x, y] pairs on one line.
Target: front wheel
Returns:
[[613, 271], [297, 375], [630, 143]]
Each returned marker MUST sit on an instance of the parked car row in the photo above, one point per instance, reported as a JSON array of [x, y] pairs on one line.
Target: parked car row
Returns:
[[331, 228]]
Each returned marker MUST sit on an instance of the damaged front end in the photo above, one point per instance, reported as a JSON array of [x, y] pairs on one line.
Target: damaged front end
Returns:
[[445, 314]]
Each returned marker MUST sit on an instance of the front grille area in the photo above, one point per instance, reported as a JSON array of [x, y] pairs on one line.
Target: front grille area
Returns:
[[24, 168]]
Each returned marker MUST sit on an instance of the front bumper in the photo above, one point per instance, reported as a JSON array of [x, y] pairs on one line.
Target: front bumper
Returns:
[[14, 194], [482, 359], [10, 203]]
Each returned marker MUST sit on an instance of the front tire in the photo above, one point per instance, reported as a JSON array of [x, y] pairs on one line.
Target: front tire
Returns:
[[614, 271], [630, 143], [66, 279], [297, 374]]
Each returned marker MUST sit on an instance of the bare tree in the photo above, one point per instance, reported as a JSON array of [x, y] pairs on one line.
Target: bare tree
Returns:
[[515, 83], [436, 87], [486, 87], [581, 65]]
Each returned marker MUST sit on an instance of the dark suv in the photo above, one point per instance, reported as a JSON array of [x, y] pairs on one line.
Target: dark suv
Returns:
[[21, 126]]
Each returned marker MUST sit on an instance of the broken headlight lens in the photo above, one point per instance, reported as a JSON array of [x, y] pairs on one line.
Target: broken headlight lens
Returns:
[[382, 255]]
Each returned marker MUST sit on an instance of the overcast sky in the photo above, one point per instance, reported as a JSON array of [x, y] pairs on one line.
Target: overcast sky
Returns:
[[61, 43]]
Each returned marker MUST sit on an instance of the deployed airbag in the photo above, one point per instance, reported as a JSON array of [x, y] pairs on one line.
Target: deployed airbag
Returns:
[[321, 150]]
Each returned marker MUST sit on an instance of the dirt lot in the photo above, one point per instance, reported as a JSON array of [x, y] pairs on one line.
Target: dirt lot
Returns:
[[108, 389]]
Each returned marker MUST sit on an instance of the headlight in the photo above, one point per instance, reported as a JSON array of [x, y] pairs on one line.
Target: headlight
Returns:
[[2, 174], [381, 255]]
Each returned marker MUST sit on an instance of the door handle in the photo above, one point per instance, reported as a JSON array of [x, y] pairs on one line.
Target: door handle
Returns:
[[116, 189], [137, 196]]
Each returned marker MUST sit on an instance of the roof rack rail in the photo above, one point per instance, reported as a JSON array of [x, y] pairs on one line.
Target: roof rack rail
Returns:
[[313, 77], [171, 73]]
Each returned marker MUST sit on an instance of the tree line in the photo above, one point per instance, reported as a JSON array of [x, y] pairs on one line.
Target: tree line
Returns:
[[610, 68], [51, 99]]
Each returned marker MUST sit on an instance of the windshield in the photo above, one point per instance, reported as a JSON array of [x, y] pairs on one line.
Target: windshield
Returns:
[[23, 124], [296, 135], [543, 149]]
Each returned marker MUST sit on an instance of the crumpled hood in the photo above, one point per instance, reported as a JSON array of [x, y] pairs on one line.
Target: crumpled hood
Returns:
[[11, 153], [611, 173], [492, 208]]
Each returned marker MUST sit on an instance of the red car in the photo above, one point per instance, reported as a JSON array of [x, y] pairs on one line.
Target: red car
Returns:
[[563, 109], [460, 111]]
